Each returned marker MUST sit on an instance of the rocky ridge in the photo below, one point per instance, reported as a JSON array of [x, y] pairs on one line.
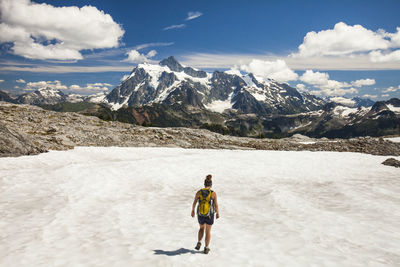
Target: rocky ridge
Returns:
[[28, 130]]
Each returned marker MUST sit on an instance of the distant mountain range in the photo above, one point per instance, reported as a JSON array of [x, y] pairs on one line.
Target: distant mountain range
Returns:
[[169, 94]]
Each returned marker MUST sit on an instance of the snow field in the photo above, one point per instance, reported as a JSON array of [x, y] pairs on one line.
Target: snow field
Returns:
[[131, 207], [394, 139]]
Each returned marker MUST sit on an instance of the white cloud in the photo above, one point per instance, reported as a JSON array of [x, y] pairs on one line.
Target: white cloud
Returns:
[[301, 87], [1, 81], [99, 84], [44, 84], [20, 81], [370, 96], [16, 87], [378, 56], [344, 101], [328, 87], [135, 57], [226, 60], [338, 91], [315, 78], [277, 70], [142, 46], [363, 82], [90, 88], [395, 37], [175, 26], [353, 42], [42, 31], [385, 95], [343, 39], [193, 15], [68, 69], [391, 89], [151, 53], [316, 92]]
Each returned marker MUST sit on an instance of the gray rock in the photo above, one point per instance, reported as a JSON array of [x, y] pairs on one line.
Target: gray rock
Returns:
[[392, 162], [172, 64], [27, 130], [15, 144]]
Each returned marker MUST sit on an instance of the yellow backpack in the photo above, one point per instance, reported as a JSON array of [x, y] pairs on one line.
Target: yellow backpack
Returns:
[[206, 204]]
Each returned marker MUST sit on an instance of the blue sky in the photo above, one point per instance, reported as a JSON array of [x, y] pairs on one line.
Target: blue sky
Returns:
[[330, 48]]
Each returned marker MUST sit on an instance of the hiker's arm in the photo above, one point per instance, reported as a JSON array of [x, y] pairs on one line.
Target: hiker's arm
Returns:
[[216, 204], [196, 197]]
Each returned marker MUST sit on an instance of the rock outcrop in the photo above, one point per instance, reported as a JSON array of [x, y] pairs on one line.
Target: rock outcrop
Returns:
[[27, 130], [392, 162]]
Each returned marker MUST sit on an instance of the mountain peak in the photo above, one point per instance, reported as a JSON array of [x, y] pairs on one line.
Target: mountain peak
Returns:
[[171, 63]]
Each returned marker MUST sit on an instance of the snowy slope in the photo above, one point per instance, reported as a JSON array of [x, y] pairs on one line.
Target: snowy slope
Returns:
[[394, 139], [131, 207]]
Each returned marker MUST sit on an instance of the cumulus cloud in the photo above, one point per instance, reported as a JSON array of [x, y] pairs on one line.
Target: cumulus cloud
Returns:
[[1, 81], [45, 84], [315, 78], [90, 88], [355, 42], [370, 96], [301, 87], [344, 101], [339, 91], [363, 82], [20, 81], [135, 56], [395, 37], [385, 95], [378, 56], [329, 87], [42, 31], [277, 70], [193, 15], [343, 39], [391, 89]]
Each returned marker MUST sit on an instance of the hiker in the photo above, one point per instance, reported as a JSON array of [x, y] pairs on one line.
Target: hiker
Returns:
[[208, 205]]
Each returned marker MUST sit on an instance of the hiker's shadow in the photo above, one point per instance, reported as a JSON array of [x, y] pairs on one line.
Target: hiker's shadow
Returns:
[[175, 252]]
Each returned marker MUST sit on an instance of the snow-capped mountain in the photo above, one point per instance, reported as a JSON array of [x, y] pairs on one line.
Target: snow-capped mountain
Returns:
[[42, 96], [169, 94], [171, 83], [6, 97], [336, 120], [51, 96]]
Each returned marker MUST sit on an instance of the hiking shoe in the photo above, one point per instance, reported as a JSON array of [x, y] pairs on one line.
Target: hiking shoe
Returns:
[[198, 246], [206, 250]]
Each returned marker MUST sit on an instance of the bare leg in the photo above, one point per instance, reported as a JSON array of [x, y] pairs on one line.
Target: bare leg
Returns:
[[201, 232], [208, 234]]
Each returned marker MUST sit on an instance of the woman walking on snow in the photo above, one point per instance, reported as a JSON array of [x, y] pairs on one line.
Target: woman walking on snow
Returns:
[[208, 205]]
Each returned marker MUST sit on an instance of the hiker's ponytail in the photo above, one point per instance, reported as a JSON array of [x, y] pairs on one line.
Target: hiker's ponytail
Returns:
[[208, 181]]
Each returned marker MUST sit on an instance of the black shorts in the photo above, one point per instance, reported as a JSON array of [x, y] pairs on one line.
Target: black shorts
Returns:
[[208, 220]]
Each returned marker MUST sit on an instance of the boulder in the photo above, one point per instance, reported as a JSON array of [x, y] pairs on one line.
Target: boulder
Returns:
[[392, 162]]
